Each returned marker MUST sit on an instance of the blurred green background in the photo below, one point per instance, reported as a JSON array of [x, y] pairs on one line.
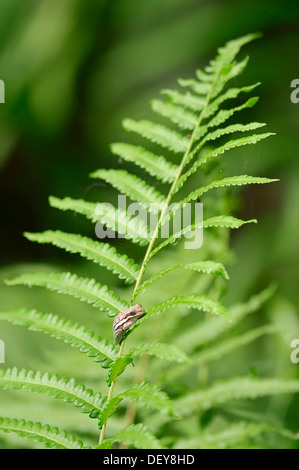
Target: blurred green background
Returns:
[[73, 69]]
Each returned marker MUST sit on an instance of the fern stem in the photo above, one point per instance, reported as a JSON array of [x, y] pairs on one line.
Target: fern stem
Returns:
[[110, 394]]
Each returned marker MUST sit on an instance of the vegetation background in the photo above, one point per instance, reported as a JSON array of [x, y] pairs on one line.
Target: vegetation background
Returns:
[[73, 69]]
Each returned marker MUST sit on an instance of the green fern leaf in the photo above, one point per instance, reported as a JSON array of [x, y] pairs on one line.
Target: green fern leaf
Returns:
[[225, 57], [133, 187], [229, 181], [225, 221], [149, 396], [117, 367], [155, 165], [230, 71], [109, 409], [72, 333], [118, 220], [219, 351], [77, 205], [231, 129], [208, 267], [248, 140], [224, 114], [50, 437], [158, 134], [136, 435], [100, 253], [188, 100], [57, 387], [212, 328], [214, 135], [233, 389], [231, 436], [199, 302], [177, 114], [164, 351], [84, 289], [195, 85], [231, 93]]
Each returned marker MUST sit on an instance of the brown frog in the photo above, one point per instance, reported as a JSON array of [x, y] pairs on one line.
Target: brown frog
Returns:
[[125, 319]]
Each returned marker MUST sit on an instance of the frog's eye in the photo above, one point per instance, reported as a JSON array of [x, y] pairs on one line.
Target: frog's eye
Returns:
[[125, 319]]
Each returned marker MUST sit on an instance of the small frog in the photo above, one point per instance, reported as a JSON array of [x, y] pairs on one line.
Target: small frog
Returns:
[[125, 319]]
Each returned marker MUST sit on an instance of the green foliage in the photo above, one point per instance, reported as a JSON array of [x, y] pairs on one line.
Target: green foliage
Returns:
[[136, 435], [102, 254], [117, 367], [237, 434], [192, 311], [150, 396], [48, 436], [234, 389], [58, 387], [72, 333], [132, 186], [167, 352], [86, 290]]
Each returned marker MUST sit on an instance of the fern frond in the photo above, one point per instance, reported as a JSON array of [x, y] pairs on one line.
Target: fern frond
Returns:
[[135, 229], [133, 187], [224, 114], [177, 114], [225, 221], [207, 267], [188, 100], [205, 137], [149, 396], [100, 253], [155, 165], [55, 386], [213, 327], [222, 392], [229, 181], [219, 351], [109, 409], [195, 85], [199, 302], [233, 389], [231, 129], [164, 351], [158, 134], [117, 367], [72, 333], [77, 205], [232, 93], [223, 65], [84, 289], [136, 435], [248, 140], [232, 435], [50, 437]]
